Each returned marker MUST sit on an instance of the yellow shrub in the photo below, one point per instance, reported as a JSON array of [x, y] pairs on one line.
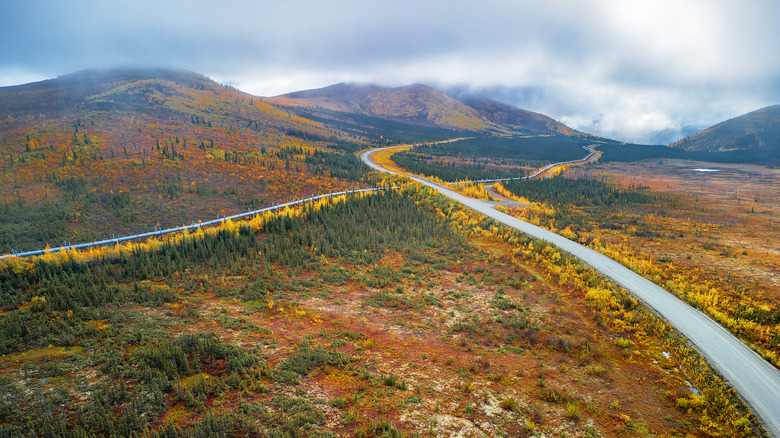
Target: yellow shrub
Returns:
[[601, 296]]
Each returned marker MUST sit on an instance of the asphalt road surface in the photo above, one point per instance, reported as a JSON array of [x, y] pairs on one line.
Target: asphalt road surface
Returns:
[[754, 379]]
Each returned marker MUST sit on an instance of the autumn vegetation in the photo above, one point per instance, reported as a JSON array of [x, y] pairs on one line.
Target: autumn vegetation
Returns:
[[623, 222], [638, 225], [147, 153], [327, 320], [386, 314], [490, 157]]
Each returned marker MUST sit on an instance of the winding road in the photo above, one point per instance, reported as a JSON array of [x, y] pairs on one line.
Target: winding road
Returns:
[[754, 379]]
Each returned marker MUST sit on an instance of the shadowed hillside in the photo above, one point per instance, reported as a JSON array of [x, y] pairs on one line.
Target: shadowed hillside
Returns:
[[518, 119], [757, 130]]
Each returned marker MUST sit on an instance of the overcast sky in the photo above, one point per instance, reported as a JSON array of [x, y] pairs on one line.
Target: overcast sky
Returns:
[[631, 70]]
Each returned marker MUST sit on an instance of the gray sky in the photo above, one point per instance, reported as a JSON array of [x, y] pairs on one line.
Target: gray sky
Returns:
[[630, 70]]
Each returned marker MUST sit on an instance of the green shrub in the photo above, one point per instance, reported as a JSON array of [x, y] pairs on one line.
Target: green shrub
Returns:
[[303, 361], [622, 342], [572, 411]]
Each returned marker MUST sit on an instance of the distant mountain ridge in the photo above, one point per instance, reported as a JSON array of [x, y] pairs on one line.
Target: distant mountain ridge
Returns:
[[520, 119], [758, 130], [426, 106], [69, 92]]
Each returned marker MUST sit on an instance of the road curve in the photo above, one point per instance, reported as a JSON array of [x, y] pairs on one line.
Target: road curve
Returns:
[[754, 379]]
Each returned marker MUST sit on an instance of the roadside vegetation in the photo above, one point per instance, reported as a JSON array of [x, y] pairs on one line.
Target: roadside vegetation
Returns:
[[453, 169], [488, 157], [656, 234], [622, 222]]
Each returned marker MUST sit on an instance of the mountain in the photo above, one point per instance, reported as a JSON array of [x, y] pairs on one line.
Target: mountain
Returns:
[[757, 131], [343, 97], [99, 152], [102, 152], [424, 106], [516, 118], [152, 92]]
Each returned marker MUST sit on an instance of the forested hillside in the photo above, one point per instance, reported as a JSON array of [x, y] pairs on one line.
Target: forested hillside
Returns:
[[754, 132], [490, 157]]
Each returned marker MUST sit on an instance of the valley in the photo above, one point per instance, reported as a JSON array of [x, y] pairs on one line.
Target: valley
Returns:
[[396, 312], [725, 218], [448, 328]]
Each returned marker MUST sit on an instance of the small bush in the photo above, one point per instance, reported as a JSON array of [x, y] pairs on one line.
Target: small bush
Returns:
[[383, 428], [622, 342], [338, 402], [303, 361], [509, 404], [390, 379], [742, 424], [572, 411], [385, 300], [554, 396], [297, 412], [393, 380], [596, 369]]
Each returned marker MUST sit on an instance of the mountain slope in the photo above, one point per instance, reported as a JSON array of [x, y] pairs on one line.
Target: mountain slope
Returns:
[[757, 130], [343, 97], [414, 104], [516, 118], [95, 153], [425, 106]]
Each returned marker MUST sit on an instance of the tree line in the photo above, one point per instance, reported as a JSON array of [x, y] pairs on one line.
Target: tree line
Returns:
[[423, 164]]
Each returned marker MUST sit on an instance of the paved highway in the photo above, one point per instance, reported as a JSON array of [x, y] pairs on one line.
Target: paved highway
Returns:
[[756, 381]]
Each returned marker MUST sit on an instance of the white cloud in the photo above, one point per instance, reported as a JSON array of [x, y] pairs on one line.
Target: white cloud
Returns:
[[14, 76], [696, 41], [274, 84]]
